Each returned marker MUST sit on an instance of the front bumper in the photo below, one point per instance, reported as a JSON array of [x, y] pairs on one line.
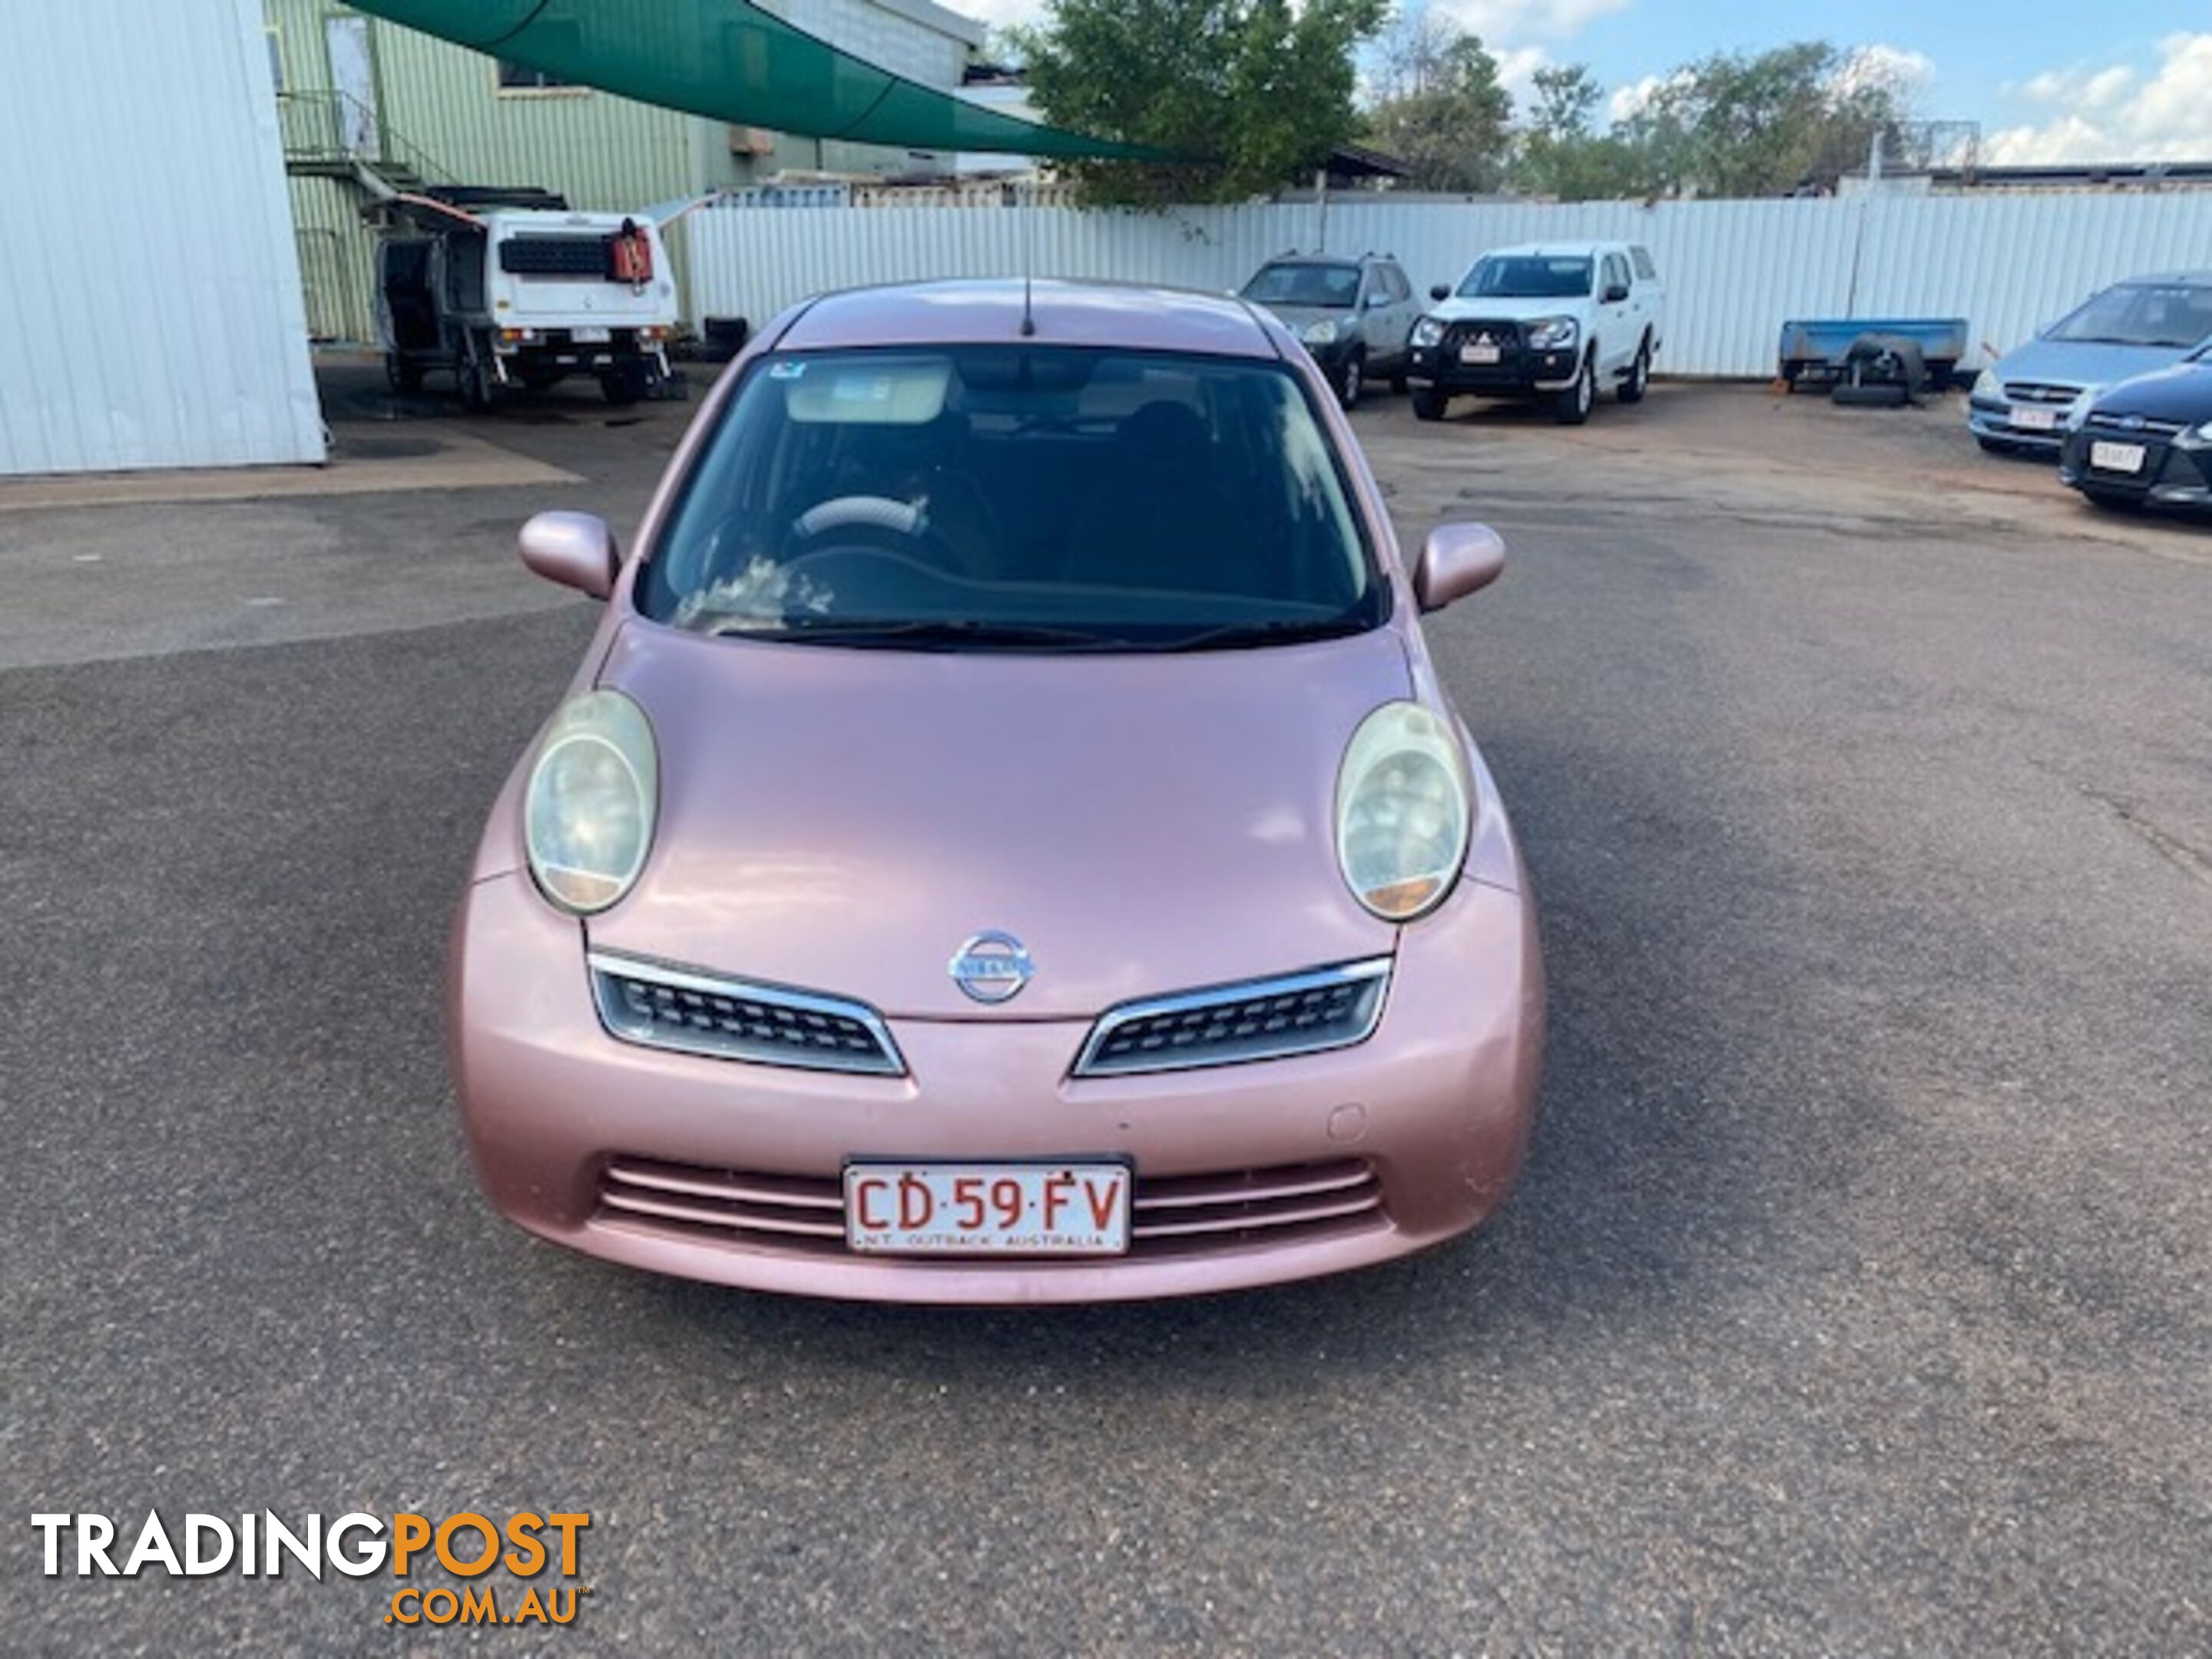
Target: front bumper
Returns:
[[2170, 475], [1518, 373], [1992, 419], [1332, 355], [1436, 1105]]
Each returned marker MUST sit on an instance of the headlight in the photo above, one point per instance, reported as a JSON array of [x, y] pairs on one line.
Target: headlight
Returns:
[[1551, 333], [1986, 385], [2198, 434], [587, 815], [1428, 332], [1401, 811], [2078, 411], [1320, 333]]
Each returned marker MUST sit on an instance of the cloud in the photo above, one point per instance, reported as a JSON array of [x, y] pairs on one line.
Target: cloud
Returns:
[[1627, 102], [2115, 113], [1517, 67], [1523, 19], [998, 14], [1908, 73]]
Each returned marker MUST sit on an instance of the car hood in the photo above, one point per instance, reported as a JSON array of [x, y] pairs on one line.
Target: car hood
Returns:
[[2076, 363], [841, 820], [1457, 309], [1297, 318], [2183, 392]]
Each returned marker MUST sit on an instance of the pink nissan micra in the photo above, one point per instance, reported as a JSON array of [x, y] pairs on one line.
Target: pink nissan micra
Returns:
[[1007, 842]]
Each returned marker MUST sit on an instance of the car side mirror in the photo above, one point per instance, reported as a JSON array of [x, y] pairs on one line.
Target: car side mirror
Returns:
[[1376, 300], [1439, 293], [575, 549], [1457, 560], [1616, 293]]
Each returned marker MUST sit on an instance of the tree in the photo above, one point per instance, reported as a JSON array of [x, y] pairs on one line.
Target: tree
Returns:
[[1738, 124], [1561, 155], [1256, 92], [1441, 109]]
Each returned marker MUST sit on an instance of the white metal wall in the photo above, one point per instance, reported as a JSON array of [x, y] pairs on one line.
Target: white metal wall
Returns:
[[150, 309], [1735, 269]]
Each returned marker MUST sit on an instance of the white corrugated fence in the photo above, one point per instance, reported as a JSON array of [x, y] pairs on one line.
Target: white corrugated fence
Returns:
[[150, 309], [1735, 269]]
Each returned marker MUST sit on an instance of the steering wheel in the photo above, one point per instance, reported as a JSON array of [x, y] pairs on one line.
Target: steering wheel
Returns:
[[869, 550]]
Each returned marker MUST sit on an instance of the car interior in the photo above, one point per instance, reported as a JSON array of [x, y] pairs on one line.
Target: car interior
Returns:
[[1198, 484]]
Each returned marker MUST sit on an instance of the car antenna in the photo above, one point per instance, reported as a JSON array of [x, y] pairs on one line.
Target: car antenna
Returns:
[[1029, 316]]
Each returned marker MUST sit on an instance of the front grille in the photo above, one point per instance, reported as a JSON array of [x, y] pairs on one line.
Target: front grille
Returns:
[[554, 256], [1503, 333], [1171, 1215], [2142, 426], [1228, 1024], [664, 1007], [2040, 391]]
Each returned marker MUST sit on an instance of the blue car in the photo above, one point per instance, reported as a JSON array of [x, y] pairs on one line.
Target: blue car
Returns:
[[2146, 442], [2147, 323]]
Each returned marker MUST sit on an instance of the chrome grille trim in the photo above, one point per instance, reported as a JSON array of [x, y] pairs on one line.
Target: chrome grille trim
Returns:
[[692, 1012], [2040, 391], [2145, 426], [1192, 1030], [1170, 1215]]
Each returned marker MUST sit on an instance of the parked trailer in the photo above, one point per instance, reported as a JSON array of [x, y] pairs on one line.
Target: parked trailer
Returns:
[[510, 287], [1817, 351]]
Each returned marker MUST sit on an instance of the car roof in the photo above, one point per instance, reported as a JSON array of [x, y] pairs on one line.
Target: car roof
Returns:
[[990, 311], [1555, 250], [1338, 260], [2174, 278]]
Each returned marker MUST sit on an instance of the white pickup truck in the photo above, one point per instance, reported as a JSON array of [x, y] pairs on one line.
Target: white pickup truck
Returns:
[[1554, 320]]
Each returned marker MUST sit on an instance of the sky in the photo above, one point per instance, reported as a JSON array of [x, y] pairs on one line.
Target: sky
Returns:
[[2048, 79]]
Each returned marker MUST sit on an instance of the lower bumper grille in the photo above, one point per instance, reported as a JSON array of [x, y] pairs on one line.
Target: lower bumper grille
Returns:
[[1170, 1215]]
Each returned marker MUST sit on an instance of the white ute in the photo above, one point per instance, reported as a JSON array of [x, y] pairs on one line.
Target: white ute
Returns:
[[1555, 321]]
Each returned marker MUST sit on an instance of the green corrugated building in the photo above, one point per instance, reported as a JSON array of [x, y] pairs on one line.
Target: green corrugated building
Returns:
[[355, 92]]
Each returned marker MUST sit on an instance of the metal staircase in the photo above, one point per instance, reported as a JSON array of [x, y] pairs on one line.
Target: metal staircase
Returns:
[[333, 135]]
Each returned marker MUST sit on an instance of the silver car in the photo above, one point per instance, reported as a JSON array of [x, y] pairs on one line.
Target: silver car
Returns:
[[1354, 315], [2024, 401]]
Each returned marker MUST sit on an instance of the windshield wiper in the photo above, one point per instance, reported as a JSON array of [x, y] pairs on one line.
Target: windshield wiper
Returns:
[[1282, 630], [927, 631]]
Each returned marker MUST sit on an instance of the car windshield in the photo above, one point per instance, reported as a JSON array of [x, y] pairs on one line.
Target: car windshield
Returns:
[[1332, 287], [2141, 314], [1017, 498], [1526, 277]]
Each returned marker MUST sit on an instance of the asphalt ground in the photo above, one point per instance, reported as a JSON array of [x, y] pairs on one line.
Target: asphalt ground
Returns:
[[1855, 1298]]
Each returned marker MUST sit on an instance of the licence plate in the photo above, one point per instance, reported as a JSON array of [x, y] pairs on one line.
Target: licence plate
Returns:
[[988, 1209], [1478, 354], [591, 335], [2036, 420], [2118, 458]]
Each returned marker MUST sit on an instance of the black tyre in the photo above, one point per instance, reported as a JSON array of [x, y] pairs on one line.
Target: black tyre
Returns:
[[1638, 382], [1349, 379], [1573, 406], [1429, 403], [1874, 394], [622, 386], [400, 374]]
